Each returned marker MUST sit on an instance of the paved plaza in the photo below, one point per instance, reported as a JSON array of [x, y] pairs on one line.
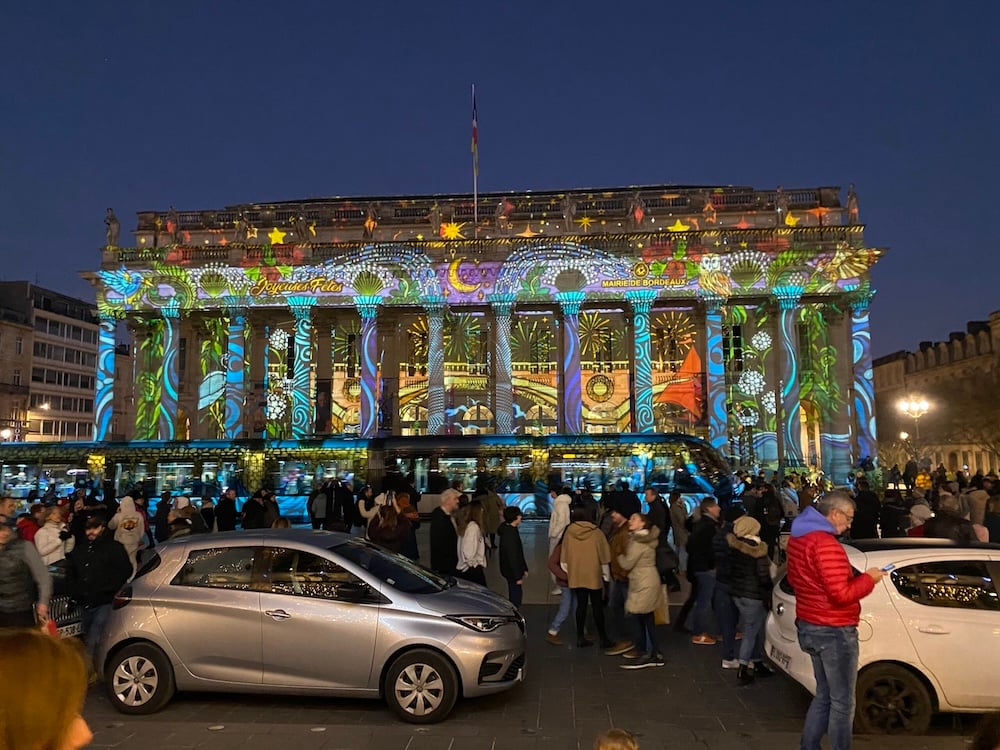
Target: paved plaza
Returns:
[[569, 696]]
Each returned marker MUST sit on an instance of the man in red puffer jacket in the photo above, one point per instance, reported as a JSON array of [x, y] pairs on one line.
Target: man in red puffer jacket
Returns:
[[827, 609]]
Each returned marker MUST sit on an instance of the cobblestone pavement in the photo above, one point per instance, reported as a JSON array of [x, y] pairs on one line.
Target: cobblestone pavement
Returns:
[[570, 695]]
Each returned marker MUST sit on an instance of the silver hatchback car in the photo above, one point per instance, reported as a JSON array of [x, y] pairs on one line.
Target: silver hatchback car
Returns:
[[306, 612]]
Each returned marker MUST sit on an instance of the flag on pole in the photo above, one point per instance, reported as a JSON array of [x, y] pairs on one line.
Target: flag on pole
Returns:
[[475, 134]]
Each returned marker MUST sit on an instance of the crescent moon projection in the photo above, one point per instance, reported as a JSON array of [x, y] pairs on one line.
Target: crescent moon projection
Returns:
[[456, 281]]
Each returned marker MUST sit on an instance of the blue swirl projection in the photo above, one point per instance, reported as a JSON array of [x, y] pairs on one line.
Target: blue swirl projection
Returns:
[[435, 364], [104, 406], [715, 385], [864, 385], [302, 403], [788, 314], [503, 305], [368, 308], [642, 303], [572, 395], [171, 376], [235, 373]]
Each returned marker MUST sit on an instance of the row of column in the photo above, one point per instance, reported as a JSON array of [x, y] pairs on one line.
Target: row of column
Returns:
[[570, 391]]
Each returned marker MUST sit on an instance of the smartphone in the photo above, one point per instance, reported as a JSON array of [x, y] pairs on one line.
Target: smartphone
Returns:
[[888, 567]]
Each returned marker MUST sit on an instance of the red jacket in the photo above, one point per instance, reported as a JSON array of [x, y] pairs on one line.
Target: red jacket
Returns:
[[827, 591]]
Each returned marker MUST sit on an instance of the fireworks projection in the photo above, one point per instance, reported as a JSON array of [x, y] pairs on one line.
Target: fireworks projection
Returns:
[[435, 364], [235, 371], [642, 303], [572, 398], [788, 301], [171, 377], [302, 403], [503, 305], [104, 397], [715, 373], [864, 386], [368, 308]]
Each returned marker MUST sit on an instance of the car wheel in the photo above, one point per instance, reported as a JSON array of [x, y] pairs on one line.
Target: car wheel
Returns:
[[421, 687], [139, 679], [892, 700]]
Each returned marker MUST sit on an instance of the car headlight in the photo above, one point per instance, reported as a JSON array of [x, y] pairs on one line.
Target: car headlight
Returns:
[[482, 623]]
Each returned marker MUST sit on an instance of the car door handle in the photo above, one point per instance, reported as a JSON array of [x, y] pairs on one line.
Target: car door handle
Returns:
[[933, 629], [277, 614]]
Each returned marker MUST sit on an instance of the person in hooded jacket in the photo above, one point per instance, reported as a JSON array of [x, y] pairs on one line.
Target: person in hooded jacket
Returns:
[[750, 587], [128, 527], [558, 522], [586, 558], [701, 572], [644, 590]]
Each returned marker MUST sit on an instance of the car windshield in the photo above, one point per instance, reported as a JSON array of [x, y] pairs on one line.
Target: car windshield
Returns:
[[397, 571]]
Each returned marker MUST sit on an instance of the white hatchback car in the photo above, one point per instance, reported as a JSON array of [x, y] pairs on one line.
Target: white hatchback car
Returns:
[[929, 636]]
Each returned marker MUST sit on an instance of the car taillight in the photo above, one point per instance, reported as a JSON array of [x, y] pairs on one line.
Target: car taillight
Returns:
[[123, 597]]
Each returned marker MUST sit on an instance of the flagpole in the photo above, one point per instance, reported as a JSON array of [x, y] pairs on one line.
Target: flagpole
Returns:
[[475, 162]]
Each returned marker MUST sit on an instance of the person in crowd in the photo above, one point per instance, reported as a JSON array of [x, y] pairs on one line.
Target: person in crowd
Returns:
[[389, 528], [25, 583], [586, 558], [920, 513], [444, 538], [976, 499], [365, 509], [161, 520], [789, 498], [591, 505], [723, 606], [95, 572], [226, 514], [471, 548], [667, 559], [827, 610], [949, 523], [54, 540], [254, 514], [317, 507], [513, 566], [750, 587], [616, 739], [701, 573], [272, 511], [184, 509], [991, 519], [42, 711], [644, 589], [868, 512], [618, 541], [343, 507], [281, 523], [770, 513], [678, 526], [565, 601], [207, 512], [405, 508], [558, 521], [28, 526], [127, 526], [493, 508]]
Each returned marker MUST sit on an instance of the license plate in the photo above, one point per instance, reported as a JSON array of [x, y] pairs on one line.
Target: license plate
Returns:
[[71, 630], [780, 658]]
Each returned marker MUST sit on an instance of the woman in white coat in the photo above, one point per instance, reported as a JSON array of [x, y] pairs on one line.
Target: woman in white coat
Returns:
[[49, 538]]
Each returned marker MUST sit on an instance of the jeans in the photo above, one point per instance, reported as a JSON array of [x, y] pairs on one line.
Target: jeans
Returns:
[[565, 605], [94, 620], [728, 617], [595, 597], [515, 592], [701, 615], [617, 595], [834, 653], [753, 612], [645, 642]]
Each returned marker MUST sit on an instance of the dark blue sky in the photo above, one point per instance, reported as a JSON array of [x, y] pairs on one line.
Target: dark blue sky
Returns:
[[141, 104]]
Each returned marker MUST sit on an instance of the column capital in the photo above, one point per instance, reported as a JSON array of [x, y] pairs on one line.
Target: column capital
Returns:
[[172, 309], [859, 297], [301, 306], [502, 302], [235, 304], [111, 315], [641, 300], [570, 302], [433, 303], [368, 304], [713, 301], [788, 295]]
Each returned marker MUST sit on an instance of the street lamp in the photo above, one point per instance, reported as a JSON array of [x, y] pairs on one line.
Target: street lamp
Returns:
[[904, 435], [5, 433], [914, 407]]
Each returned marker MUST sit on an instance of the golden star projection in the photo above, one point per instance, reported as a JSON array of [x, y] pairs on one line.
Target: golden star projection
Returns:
[[276, 236], [678, 227], [452, 231], [790, 220]]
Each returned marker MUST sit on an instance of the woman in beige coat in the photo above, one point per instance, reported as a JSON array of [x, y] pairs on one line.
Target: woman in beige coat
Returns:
[[644, 588]]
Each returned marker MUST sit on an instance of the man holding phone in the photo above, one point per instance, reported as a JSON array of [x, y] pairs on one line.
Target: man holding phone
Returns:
[[827, 609]]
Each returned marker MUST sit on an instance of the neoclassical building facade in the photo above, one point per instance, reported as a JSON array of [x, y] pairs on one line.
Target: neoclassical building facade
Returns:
[[736, 314]]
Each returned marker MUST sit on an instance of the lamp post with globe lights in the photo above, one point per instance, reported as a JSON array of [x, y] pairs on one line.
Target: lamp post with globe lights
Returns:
[[914, 407]]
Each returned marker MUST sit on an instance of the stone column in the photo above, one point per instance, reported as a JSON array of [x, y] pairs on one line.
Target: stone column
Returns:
[[368, 309], [170, 381], [642, 303], [503, 394], [572, 396], [104, 397], [864, 384], [302, 404], [715, 374], [836, 431], [236, 313], [435, 364], [788, 297]]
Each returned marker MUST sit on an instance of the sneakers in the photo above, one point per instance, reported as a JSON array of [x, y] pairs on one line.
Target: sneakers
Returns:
[[703, 640], [647, 660], [619, 648], [632, 654], [556, 591], [553, 638], [760, 669], [744, 674], [730, 663]]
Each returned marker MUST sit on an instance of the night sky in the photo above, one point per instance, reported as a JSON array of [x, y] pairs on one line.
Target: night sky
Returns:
[[137, 105]]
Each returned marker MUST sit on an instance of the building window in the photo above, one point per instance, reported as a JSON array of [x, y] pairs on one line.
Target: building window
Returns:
[[16, 377], [19, 345]]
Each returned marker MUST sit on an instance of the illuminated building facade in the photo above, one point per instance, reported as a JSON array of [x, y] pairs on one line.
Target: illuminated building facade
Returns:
[[735, 314]]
